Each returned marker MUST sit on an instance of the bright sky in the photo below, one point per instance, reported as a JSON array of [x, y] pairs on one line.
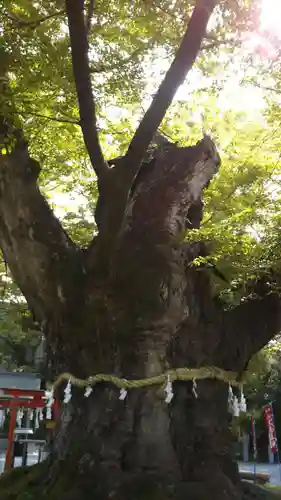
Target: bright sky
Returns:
[[270, 16]]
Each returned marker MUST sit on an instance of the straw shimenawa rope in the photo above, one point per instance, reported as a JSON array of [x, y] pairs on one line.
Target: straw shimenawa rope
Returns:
[[208, 372]]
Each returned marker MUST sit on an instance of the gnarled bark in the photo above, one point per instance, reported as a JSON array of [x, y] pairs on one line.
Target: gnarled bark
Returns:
[[33, 242], [151, 311]]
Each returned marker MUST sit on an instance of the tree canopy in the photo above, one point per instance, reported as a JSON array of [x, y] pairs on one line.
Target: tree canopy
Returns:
[[131, 45]]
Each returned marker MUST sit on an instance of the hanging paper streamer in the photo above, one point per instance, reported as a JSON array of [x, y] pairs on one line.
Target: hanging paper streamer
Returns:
[[49, 395], [31, 416], [236, 410], [194, 389], [67, 393], [2, 418], [19, 417], [243, 404], [49, 413], [37, 422], [123, 394], [88, 391], [169, 391], [230, 399]]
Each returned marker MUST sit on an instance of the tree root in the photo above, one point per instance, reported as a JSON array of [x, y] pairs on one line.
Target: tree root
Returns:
[[22, 483], [254, 492], [28, 483]]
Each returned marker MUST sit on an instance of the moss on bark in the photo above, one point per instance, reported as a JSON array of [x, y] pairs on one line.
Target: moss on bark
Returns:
[[28, 484], [23, 483]]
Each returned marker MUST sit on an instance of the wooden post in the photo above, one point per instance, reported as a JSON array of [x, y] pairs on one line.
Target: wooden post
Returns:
[[13, 421]]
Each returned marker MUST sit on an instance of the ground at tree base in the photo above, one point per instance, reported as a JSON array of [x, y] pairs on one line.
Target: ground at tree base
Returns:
[[24, 484]]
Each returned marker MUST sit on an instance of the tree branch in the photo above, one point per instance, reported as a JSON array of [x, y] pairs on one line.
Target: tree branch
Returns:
[[263, 87], [175, 76], [37, 22], [45, 117], [82, 78], [118, 64], [90, 15], [217, 43], [171, 14], [249, 327], [17, 350], [38, 251], [121, 179], [156, 213]]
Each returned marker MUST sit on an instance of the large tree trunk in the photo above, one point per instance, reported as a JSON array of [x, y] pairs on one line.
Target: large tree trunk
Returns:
[[132, 304], [151, 311], [141, 448], [136, 313]]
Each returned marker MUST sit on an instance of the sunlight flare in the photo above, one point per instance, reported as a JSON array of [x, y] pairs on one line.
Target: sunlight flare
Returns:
[[270, 17]]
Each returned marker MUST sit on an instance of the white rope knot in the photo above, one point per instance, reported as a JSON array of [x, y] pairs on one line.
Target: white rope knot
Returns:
[[169, 391]]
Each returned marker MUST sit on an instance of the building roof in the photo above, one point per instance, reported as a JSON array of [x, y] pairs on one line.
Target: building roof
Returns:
[[19, 380]]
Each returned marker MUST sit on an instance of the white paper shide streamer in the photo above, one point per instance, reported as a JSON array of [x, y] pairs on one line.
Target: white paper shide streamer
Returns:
[[123, 394], [49, 396], [230, 399], [194, 389], [20, 417], [169, 391], [37, 420], [2, 418], [243, 403], [88, 391], [233, 403], [236, 409], [67, 393]]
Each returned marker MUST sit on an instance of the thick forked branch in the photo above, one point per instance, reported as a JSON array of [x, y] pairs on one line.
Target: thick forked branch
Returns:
[[82, 78], [35, 246], [122, 178], [174, 77], [155, 220], [248, 327]]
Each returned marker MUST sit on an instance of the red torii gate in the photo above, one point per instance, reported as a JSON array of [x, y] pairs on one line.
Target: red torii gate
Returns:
[[13, 399]]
